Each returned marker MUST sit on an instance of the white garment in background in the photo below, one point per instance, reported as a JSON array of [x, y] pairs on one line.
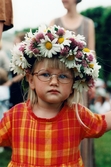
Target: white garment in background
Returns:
[[4, 99], [101, 109]]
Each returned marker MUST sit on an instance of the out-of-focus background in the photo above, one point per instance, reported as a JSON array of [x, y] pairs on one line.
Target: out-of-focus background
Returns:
[[28, 14]]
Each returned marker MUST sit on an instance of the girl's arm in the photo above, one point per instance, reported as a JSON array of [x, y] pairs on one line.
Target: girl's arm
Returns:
[[108, 120]]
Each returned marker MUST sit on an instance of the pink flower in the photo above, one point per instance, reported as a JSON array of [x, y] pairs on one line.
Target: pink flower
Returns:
[[60, 32], [65, 51], [36, 51], [39, 37], [90, 57], [73, 43], [33, 44], [80, 45], [84, 63], [79, 54], [51, 37], [22, 47]]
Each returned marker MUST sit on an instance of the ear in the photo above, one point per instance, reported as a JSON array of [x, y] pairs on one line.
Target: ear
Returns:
[[31, 81]]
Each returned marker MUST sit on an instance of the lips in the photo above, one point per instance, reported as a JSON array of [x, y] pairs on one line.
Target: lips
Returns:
[[54, 91]]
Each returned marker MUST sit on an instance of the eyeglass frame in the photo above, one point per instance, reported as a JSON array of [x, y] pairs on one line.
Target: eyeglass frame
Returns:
[[51, 75]]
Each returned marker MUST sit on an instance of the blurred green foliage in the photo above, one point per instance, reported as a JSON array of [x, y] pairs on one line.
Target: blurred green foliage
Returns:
[[102, 20], [103, 150]]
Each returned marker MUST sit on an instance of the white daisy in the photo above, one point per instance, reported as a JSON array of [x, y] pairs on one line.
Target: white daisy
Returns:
[[29, 35], [18, 58], [48, 48], [88, 70], [64, 40], [69, 60], [80, 38], [80, 85], [42, 29], [95, 73], [17, 69]]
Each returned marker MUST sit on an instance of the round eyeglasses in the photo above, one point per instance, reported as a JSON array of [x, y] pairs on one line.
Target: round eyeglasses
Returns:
[[46, 76]]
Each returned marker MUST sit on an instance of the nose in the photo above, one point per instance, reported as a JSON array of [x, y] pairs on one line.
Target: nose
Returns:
[[54, 80]]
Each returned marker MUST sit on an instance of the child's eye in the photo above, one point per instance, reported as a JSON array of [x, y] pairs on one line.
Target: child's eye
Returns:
[[45, 74], [63, 76]]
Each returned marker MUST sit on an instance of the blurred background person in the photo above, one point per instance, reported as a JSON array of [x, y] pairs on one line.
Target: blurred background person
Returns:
[[4, 60], [6, 16], [76, 22], [4, 95], [4, 92], [16, 92], [102, 101]]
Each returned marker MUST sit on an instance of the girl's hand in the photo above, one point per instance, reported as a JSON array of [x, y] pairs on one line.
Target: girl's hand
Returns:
[[108, 120]]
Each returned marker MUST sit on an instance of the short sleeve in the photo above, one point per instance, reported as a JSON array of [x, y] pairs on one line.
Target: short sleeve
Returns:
[[5, 129], [95, 123]]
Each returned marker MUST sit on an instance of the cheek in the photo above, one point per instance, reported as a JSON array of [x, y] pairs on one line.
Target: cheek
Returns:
[[67, 89], [39, 87]]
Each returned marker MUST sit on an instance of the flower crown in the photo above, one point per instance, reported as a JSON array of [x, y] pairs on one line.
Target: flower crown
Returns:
[[56, 41]]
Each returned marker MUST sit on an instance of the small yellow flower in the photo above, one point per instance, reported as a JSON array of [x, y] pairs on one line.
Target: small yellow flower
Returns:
[[48, 45], [86, 50], [91, 65], [60, 40]]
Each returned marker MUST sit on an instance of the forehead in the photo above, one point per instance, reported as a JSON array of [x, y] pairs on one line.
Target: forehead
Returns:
[[53, 66], [50, 63]]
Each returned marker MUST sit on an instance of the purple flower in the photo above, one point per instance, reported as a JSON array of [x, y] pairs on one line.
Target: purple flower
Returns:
[[90, 57], [22, 47], [36, 51], [65, 51], [84, 63], [79, 54], [39, 37], [73, 43], [51, 37], [31, 46], [60, 32], [80, 45]]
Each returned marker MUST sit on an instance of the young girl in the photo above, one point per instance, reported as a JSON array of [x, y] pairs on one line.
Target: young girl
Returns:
[[47, 129]]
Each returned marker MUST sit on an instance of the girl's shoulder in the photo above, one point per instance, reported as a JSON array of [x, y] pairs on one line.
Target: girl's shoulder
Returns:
[[18, 109]]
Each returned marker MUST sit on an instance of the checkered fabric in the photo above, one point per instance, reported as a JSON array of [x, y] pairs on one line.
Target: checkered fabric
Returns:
[[54, 142]]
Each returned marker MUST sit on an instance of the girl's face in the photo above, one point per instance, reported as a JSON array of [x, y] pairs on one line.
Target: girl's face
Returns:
[[49, 84]]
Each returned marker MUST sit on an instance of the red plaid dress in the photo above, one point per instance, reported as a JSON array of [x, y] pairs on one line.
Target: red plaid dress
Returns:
[[54, 142]]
